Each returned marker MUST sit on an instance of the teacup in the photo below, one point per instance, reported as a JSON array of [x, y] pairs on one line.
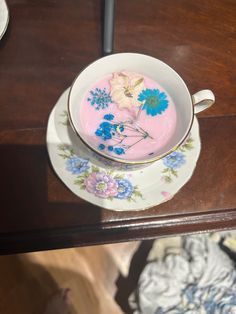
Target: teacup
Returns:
[[185, 104]]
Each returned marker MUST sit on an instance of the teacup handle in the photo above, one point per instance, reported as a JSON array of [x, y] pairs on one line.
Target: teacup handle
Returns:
[[203, 100]]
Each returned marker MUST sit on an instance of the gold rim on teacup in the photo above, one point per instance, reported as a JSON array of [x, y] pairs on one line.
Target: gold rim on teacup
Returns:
[[199, 102]]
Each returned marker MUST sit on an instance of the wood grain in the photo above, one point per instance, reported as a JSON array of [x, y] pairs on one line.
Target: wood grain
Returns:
[[44, 48]]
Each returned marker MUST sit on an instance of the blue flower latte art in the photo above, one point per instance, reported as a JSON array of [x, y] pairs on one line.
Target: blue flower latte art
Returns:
[[155, 102], [99, 98], [115, 131], [131, 115]]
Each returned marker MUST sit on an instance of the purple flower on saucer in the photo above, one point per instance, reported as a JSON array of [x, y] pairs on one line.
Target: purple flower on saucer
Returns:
[[101, 184]]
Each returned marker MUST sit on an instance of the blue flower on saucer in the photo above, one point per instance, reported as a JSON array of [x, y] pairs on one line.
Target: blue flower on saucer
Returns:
[[155, 102], [77, 165], [174, 160], [125, 189]]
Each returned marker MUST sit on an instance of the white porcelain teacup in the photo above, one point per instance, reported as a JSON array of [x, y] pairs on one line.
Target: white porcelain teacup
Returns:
[[186, 104]]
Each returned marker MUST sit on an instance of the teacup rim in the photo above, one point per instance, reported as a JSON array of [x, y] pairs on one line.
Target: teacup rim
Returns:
[[116, 159]]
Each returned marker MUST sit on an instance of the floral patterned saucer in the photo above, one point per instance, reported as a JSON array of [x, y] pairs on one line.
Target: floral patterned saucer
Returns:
[[116, 189], [4, 17]]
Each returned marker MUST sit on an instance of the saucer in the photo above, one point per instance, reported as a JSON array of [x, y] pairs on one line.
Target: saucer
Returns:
[[116, 189], [4, 17]]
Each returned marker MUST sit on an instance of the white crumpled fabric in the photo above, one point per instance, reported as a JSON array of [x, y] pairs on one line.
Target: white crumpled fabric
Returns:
[[198, 278]]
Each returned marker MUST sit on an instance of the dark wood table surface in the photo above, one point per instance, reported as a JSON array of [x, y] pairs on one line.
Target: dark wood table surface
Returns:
[[47, 43]]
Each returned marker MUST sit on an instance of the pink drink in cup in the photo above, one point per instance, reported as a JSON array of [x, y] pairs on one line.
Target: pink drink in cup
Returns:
[[115, 120]]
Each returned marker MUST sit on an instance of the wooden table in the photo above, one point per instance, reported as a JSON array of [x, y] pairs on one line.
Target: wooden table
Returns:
[[46, 45]]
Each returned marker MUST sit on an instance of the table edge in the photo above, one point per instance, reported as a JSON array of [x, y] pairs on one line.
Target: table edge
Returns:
[[117, 231]]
